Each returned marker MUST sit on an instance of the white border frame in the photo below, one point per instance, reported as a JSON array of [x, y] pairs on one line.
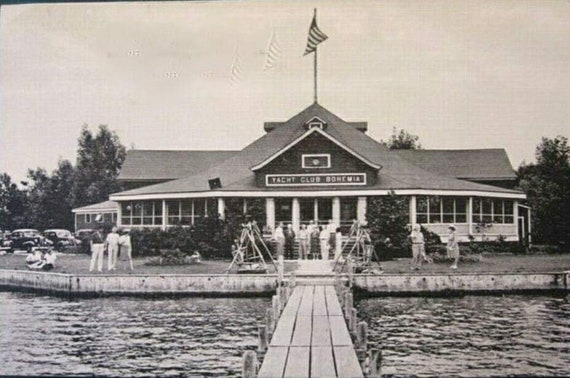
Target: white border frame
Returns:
[[303, 156]]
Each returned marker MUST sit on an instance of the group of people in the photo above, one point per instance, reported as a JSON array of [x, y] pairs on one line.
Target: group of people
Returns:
[[115, 244], [316, 242], [419, 252], [41, 259]]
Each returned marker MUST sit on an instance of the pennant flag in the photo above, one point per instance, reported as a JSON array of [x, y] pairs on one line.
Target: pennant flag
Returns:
[[316, 36], [235, 73], [272, 53]]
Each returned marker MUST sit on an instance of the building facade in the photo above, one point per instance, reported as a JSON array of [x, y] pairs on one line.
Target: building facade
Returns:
[[316, 166]]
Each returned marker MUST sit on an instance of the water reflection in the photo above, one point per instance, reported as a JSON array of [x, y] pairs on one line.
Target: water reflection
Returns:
[[470, 336], [126, 336]]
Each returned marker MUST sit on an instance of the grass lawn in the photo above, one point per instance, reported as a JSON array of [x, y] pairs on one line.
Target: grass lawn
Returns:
[[489, 264], [79, 264]]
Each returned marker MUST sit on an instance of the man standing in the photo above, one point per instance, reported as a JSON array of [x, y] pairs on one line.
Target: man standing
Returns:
[[97, 250], [112, 243], [279, 237], [289, 242], [303, 242]]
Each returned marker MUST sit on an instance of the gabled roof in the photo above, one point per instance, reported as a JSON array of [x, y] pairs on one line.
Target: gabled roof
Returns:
[[160, 165], [235, 173], [100, 207], [305, 135], [478, 164]]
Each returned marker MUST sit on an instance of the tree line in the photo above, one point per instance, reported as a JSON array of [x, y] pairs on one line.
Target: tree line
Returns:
[[45, 200]]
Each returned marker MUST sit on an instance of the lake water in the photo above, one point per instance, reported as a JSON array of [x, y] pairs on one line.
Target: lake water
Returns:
[[470, 336], [473, 336]]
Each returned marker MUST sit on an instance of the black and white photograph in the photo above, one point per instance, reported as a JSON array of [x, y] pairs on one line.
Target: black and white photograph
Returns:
[[248, 188]]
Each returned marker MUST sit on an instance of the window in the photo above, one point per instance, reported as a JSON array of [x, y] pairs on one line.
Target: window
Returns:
[[316, 161], [87, 218], [436, 209], [283, 210], [487, 210], [141, 213]]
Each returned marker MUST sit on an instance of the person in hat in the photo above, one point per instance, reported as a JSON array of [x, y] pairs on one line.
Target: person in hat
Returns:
[[97, 250], [112, 244], [126, 249], [417, 239], [452, 246]]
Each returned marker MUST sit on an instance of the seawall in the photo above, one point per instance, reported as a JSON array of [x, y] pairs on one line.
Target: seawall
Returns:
[[250, 285]]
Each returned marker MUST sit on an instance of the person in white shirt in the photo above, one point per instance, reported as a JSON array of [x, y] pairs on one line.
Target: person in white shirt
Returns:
[[112, 244], [324, 238], [417, 244], [126, 249], [338, 244], [303, 242], [279, 237]]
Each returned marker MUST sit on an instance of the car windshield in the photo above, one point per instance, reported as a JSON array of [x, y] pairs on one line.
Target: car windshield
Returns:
[[29, 234]]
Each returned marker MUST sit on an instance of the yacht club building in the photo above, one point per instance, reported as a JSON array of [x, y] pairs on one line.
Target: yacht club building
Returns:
[[316, 166]]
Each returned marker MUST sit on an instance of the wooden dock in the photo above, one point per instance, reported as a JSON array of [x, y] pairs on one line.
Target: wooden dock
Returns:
[[311, 338]]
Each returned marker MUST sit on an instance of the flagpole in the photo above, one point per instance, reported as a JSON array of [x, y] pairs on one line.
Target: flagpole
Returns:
[[315, 63]]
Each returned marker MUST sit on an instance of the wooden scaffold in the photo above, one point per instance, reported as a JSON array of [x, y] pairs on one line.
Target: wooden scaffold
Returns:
[[249, 250]]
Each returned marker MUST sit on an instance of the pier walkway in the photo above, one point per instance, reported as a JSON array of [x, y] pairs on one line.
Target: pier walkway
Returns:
[[311, 338]]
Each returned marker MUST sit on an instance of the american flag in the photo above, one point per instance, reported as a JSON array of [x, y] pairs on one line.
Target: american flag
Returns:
[[316, 36], [272, 53]]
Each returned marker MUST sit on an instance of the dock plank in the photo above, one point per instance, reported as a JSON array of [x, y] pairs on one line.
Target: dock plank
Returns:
[[293, 303], [333, 305], [302, 333], [283, 332], [319, 302], [321, 331], [339, 332], [274, 363], [297, 362], [322, 362], [346, 362], [306, 306]]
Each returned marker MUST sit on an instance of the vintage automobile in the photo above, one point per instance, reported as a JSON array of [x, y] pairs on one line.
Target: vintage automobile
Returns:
[[27, 239], [60, 238]]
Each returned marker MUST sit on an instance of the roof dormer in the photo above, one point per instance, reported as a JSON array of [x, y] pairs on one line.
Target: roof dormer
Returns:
[[316, 122]]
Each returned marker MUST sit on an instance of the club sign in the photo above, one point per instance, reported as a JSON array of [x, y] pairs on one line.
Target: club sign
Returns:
[[316, 179]]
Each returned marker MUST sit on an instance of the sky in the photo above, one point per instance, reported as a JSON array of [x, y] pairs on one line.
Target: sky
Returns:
[[459, 74]]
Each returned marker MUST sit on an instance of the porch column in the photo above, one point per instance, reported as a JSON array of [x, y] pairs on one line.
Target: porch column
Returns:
[[119, 217], [516, 218], [413, 218], [361, 210], [164, 215], [221, 208], [470, 216], [270, 213], [336, 211], [296, 215]]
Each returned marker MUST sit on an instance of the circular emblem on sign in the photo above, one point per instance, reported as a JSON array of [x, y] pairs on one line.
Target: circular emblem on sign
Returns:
[[316, 161]]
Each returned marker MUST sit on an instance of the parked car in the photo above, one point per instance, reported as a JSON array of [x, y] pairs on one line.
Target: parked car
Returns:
[[27, 238], [83, 233], [5, 241], [60, 238]]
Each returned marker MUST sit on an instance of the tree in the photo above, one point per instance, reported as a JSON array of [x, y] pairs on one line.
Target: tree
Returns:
[[388, 217], [402, 140], [99, 160], [547, 186], [12, 204]]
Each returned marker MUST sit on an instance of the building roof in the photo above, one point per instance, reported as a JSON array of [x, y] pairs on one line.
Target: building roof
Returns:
[[236, 174], [100, 207], [479, 164], [160, 165]]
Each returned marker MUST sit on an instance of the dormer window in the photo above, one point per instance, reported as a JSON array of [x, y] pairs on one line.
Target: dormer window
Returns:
[[316, 122]]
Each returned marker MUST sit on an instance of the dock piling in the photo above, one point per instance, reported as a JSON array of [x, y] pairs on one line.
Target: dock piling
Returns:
[[249, 365], [269, 322], [348, 302], [375, 370], [262, 346], [352, 322]]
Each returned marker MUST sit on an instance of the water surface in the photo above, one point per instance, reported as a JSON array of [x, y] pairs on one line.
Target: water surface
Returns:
[[473, 336]]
